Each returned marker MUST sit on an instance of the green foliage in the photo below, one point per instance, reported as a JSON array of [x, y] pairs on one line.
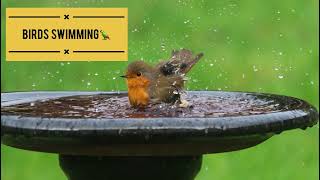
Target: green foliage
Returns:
[[265, 46]]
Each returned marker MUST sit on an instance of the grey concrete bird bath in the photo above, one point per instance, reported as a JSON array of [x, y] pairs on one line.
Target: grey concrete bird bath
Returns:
[[98, 136]]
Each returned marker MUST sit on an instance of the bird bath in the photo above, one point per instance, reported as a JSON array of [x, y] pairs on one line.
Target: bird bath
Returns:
[[98, 136]]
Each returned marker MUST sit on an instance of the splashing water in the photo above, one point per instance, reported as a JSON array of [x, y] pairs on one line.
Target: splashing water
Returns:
[[117, 106]]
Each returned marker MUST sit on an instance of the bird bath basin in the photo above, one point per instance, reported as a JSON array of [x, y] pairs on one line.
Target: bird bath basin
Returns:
[[98, 136]]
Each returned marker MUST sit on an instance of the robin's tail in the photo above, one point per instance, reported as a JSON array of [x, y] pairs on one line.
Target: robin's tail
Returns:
[[180, 62], [186, 59]]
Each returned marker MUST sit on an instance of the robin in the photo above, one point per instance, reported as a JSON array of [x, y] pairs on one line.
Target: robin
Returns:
[[161, 83]]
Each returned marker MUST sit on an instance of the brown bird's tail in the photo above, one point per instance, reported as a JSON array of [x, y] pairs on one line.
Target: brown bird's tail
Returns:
[[180, 62], [185, 59]]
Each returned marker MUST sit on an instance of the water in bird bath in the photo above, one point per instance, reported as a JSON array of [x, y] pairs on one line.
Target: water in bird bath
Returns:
[[117, 106]]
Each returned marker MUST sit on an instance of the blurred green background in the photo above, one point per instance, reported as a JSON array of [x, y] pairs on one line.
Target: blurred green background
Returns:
[[260, 46]]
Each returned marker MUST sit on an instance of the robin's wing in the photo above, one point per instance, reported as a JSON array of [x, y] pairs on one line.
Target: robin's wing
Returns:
[[180, 62], [166, 88]]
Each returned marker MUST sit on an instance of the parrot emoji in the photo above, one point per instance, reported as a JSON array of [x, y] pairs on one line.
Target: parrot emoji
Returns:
[[104, 35]]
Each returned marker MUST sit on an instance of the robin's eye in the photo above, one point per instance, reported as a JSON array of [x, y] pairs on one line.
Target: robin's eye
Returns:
[[138, 74]]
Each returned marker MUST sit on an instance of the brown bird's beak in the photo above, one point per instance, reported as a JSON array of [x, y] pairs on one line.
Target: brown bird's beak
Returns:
[[124, 76]]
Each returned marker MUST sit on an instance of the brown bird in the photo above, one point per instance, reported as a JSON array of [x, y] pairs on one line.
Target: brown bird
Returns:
[[161, 83]]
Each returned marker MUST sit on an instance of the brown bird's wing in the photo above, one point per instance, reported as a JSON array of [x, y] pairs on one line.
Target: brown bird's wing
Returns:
[[180, 62], [168, 84], [166, 88]]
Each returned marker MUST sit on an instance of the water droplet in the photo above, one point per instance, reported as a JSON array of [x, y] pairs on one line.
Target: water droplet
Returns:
[[174, 83], [280, 53], [89, 83], [211, 64], [96, 74], [163, 47], [280, 76]]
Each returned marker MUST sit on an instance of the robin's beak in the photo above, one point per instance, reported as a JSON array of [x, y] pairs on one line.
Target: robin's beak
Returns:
[[124, 76]]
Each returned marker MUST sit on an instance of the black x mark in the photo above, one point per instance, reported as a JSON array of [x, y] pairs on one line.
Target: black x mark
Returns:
[[66, 51], [66, 16]]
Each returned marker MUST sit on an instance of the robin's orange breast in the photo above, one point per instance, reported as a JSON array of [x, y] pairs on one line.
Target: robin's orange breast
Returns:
[[138, 96], [138, 91]]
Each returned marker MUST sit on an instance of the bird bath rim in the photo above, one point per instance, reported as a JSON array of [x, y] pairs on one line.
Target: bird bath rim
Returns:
[[148, 136]]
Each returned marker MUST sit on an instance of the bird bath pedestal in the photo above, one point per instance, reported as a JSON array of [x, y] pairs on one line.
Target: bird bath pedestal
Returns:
[[99, 137]]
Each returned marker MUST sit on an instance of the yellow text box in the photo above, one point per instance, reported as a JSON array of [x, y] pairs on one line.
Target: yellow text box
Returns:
[[66, 34]]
